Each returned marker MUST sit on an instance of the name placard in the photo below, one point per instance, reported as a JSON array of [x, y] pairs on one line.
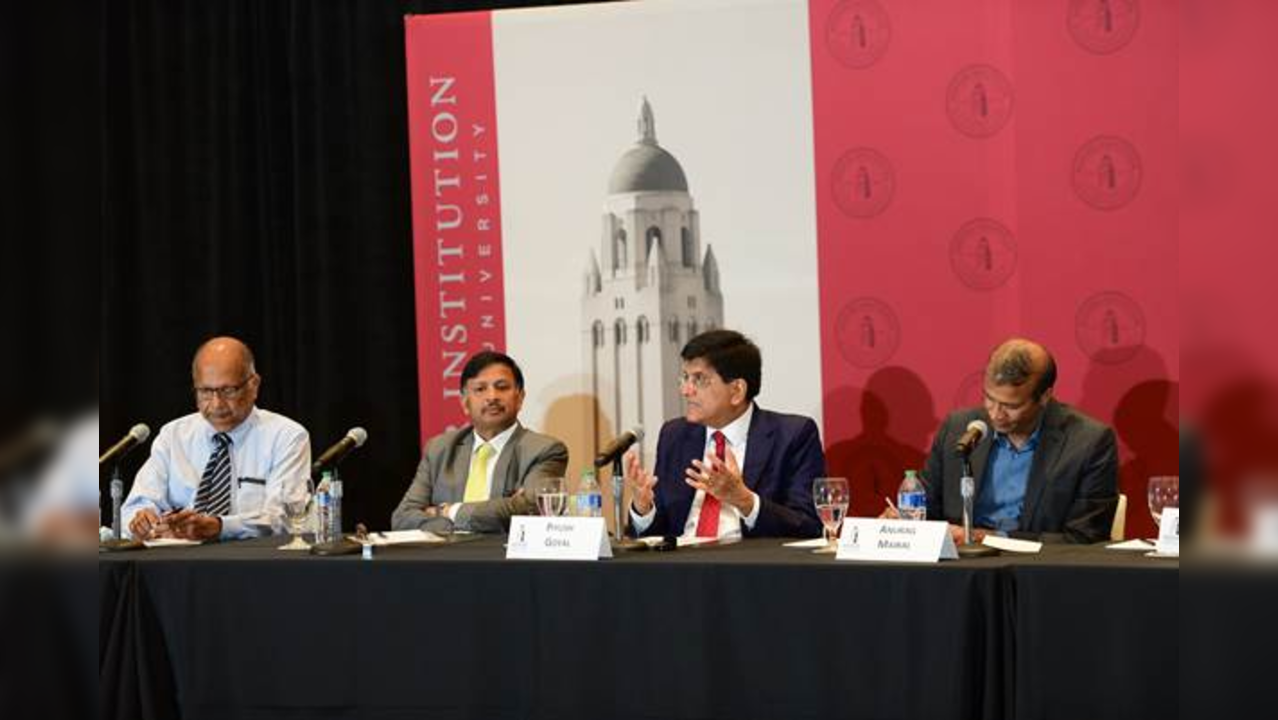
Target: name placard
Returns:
[[883, 540], [1169, 533], [557, 538], [1262, 536]]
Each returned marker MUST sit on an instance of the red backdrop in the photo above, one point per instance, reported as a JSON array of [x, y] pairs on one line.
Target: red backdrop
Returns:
[[990, 169]]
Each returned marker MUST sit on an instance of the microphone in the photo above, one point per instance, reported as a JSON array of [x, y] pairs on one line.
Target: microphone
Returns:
[[137, 435], [619, 446], [355, 437], [976, 430]]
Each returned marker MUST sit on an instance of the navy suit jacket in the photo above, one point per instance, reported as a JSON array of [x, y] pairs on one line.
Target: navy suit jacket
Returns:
[[783, 456]]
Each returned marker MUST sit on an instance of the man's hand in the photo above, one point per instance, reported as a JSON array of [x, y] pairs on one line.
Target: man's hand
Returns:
[[190, 525], [978, 534], [144, 523], [642, 484], [722, 479]]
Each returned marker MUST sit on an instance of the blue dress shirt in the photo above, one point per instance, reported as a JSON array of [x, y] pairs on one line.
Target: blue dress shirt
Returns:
[[1002, 494], [270, 460]]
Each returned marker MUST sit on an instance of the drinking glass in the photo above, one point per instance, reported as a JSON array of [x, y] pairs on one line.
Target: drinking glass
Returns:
[[297, 510], [552, 498], [1164, 492], [831, 497]]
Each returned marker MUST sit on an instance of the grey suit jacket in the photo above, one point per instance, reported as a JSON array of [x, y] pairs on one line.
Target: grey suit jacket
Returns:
[[441, 478], [1072, 490]]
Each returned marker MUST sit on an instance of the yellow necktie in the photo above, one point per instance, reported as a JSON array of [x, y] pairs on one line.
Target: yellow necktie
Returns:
[[477, 481]]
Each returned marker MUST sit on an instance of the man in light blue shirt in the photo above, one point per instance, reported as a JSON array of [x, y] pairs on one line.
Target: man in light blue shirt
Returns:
[[224, 471]]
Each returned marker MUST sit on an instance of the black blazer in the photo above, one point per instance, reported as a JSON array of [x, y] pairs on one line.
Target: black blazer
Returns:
[[783, 457], [1072, 490]]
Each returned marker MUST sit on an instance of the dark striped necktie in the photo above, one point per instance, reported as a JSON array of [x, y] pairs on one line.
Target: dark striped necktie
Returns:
[[214, 495]]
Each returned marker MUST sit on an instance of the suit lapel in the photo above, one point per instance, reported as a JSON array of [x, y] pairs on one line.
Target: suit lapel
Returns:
[[502, 476], [760, 441], [460, 468], [692, 443], [1050, 443]]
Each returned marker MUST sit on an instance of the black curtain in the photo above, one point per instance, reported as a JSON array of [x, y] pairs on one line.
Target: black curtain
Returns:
[[256, 183]]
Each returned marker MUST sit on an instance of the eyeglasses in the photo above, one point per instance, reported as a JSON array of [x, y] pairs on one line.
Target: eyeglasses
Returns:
[[700, 381], [228, 392]]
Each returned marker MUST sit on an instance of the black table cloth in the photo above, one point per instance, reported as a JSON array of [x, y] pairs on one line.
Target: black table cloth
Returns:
[[751, 630]]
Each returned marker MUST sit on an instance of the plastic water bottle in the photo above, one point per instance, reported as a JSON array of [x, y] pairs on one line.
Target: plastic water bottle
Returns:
[[911, 497], [335, 508], [588, 500], [324, 509]]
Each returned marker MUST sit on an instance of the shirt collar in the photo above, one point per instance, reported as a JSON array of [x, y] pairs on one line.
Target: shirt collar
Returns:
[[237, 433], [1030, 445], [497, 442], [736, 431]]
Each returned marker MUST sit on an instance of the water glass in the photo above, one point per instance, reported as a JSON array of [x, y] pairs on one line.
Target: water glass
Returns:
[[831, 497]]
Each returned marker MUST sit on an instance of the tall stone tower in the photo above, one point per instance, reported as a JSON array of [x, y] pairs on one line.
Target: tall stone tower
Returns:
[[648, 289]]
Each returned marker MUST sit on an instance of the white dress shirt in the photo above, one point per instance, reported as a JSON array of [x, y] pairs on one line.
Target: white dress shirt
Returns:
[[736, 434], [270, 459]]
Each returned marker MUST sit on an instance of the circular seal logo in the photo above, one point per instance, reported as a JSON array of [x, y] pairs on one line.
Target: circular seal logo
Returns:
[[983, 254], [1107, 172], [857, 33], [979, 101], [863, 183], [1103, 26], [867, 332], [1110, 327], [971, 391]]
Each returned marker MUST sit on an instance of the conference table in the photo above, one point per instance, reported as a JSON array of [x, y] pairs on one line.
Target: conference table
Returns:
[[745, 630]]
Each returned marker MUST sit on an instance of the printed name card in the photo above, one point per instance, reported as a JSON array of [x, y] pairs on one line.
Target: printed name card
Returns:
[[883, 540], [557, 538], [1263, 534], [1169, 533]]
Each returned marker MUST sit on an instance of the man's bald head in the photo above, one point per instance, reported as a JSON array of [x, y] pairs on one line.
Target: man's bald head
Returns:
[[1017, 362], [227, 353]]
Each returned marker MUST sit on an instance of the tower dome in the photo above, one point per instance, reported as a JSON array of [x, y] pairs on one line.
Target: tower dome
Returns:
[[647, 167]]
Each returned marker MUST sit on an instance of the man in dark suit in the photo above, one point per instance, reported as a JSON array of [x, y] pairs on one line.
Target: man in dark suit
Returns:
[[1044, 472], [728, 468], [475, 478]]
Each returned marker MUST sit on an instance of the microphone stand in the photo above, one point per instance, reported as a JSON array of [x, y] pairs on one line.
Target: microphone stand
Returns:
[[619, 539], [967, 488], [117, 541]]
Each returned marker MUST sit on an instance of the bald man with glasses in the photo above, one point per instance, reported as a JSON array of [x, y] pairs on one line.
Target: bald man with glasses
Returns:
[[223, 471]]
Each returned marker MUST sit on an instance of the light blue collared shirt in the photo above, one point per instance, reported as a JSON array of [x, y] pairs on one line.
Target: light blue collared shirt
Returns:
[[270, 460], [1002, 495]]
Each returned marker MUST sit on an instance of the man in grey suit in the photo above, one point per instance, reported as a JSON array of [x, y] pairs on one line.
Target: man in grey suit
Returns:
[[477, 477], [1046, 471]]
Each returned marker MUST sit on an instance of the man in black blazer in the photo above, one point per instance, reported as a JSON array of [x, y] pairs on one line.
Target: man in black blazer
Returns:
[[1044, 471], [728, 468]]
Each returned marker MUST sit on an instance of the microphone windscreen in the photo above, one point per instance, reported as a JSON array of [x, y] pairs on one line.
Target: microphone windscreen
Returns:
[[359, 435], [140, 432], [979, 425]]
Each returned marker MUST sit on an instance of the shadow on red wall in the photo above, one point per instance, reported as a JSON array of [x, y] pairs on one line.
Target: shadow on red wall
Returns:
[[898, 416]]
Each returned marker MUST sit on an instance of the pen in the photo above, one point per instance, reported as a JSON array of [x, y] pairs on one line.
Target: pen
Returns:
[[888, 500]]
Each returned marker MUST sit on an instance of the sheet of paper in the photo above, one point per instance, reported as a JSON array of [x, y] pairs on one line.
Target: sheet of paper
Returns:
[[402, 537], [1134, 544], [1012, 544], [170, 542], [814, 543]]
